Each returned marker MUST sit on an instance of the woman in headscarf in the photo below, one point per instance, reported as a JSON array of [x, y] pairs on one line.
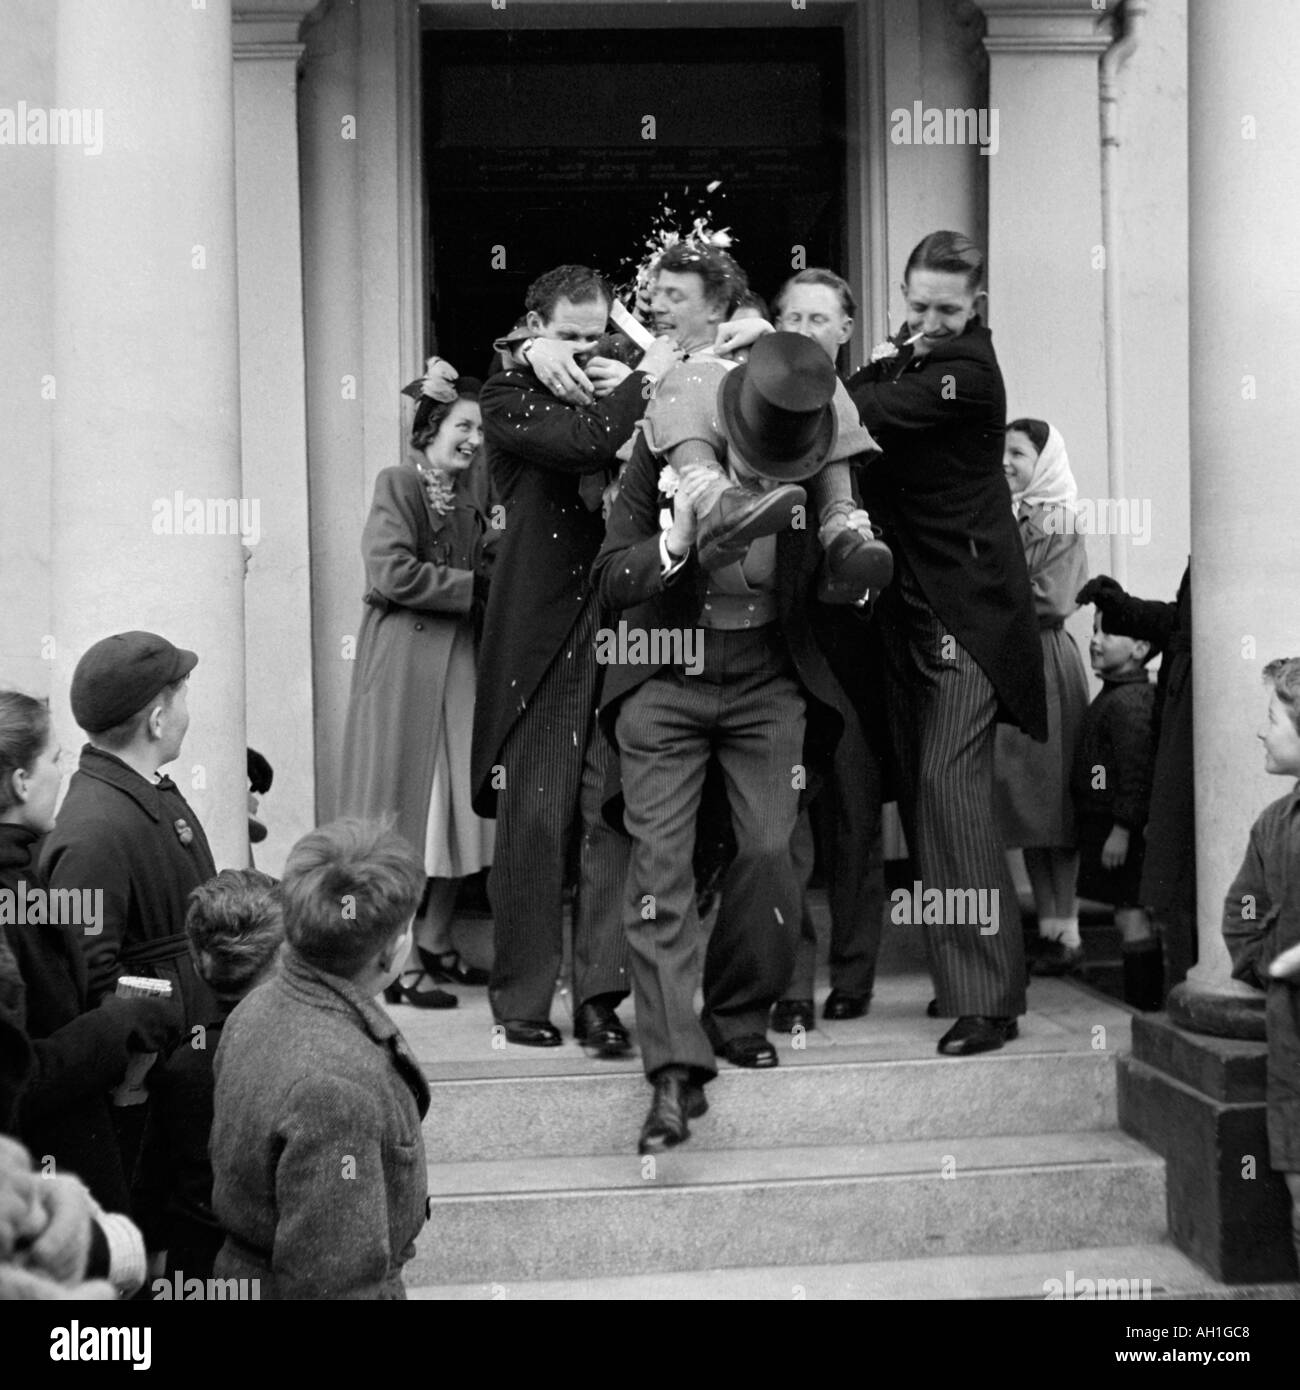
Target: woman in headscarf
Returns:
[[1033, 779]]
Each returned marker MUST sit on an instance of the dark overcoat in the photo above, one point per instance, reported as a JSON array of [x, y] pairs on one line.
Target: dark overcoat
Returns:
[[420, 571], [629, 575], [548, 462], [142, 844], [75, 1053], [940, 495]]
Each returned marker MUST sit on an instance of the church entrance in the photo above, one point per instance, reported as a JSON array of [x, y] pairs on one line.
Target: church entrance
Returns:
[[544, 146]]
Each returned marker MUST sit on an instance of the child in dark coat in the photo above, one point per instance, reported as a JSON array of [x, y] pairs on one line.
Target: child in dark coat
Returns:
[[235, 928], [317, 1157], [1111, 785], [61, 1056], [1261, 925]]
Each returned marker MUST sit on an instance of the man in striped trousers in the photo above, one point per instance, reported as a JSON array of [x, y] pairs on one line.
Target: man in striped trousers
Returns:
[[961, 642]]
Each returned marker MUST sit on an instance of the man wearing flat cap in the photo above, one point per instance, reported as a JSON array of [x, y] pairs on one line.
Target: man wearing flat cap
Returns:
[[124, 828], [759, 698]]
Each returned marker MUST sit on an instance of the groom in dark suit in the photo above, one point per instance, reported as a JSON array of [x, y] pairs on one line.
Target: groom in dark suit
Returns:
[[764, 702]]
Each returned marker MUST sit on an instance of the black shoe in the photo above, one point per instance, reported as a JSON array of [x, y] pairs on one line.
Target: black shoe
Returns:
[[675, 1101], [971, 1034], [840, 1005], [932, 1009], [1056, 958], [596, 1026], [530, 1032], [449, 969], [853, 562], [398, 993], [749, 1050], [739, 517], [789, 1014]]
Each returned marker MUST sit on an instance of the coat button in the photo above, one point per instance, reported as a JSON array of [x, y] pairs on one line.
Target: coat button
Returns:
[[419, 627]]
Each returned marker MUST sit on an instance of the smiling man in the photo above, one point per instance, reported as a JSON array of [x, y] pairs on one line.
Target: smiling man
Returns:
[[960, 637], [695, 289]]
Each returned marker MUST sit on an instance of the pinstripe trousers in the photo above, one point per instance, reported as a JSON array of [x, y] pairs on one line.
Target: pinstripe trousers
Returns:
[[942, 716], [555, 760]]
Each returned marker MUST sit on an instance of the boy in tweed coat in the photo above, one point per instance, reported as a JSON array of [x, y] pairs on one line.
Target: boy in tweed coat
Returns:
[[317, 1157]]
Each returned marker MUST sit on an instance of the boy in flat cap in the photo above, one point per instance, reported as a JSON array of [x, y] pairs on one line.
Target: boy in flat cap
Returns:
[[127, 830]]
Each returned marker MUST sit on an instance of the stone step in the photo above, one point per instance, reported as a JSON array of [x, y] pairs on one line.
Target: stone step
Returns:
[[604, 1216], [1155, 1271], [876, 1102]]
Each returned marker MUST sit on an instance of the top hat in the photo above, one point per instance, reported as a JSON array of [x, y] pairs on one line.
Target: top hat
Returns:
[[776, 409]]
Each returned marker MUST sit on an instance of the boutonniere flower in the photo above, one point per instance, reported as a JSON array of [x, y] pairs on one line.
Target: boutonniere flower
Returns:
[[882, 352], [668, 480], [183, 833]]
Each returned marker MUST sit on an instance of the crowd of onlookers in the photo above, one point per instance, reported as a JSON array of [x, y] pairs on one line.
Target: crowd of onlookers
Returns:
[[196, 1075]]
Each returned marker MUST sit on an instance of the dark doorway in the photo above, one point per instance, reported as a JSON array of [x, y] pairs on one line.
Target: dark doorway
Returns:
[[535, 154]]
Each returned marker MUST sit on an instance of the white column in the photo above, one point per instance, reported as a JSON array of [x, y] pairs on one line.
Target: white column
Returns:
[[362, 288], [1245, 340], [277, 590], [332, 298], [1045, 230], [147, 367]]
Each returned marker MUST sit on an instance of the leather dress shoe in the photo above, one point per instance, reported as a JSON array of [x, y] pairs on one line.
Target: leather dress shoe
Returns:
[[932, 1009], [789, 1014], [856, 562], [676, 1100], [972, 1033], [449, 969], [841, 1005], [748, 1050], [531, 1032], [739, 517], [596, 1026]]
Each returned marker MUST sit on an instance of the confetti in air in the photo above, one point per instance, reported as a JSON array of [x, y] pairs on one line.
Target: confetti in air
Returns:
[[666, 229]]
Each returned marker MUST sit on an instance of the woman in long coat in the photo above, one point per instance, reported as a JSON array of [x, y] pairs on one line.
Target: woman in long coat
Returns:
[[1032, 788], [411, 712]]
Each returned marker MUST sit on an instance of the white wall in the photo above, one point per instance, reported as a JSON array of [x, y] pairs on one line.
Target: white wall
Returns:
[[277, 589], [26, 357], [1152, 180]]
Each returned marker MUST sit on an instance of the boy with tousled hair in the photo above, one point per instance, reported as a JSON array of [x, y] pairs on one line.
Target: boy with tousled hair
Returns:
[[317, 1156]]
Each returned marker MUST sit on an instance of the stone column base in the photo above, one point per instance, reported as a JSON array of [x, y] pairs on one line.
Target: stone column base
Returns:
[[1198, 1101]]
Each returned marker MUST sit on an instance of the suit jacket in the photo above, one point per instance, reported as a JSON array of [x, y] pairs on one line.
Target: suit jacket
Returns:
[[539, 451], [629, 575], [939, 493]]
